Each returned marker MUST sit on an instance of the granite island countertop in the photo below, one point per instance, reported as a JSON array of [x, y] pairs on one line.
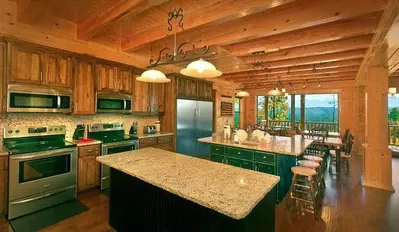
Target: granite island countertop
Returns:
[[229, 190], [294, 145]]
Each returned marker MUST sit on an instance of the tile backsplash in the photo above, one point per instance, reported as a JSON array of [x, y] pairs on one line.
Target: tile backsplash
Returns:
[[70, 121]]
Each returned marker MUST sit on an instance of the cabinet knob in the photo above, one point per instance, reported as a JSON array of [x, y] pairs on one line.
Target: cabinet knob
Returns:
[[239, 153], [264, 157], [217, 149]]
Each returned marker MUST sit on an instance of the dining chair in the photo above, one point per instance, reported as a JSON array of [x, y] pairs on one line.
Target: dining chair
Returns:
[[345, 152]]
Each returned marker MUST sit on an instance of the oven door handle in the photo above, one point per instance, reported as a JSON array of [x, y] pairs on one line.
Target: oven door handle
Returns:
[[42, 154], [120, 144], [42, 196]]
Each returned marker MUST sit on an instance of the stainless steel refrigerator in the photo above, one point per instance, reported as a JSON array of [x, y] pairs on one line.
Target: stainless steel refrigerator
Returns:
[[194, 120]]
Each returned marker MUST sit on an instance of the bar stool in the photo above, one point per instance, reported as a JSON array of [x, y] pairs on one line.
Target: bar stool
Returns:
[[315, 163], [304, 184]]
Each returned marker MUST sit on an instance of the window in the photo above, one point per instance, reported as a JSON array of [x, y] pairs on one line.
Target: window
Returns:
[[261, 104], [321, 110], [237, 113]]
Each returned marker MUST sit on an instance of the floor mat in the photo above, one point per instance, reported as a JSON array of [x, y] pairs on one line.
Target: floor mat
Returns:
[[46, 217]]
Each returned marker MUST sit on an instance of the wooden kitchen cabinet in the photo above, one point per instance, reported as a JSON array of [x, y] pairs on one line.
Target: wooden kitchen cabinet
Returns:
[[125, 81], [164, 142], [57, 69], [3, 183], [157, 98], [88, 167], [3, 52], [83, 94], [186, 87], [204, 91], [106, 77], [24, 64], [141, 96]]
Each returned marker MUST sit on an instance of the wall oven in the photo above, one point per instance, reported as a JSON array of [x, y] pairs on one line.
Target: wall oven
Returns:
[[33, 98], [113, 103]]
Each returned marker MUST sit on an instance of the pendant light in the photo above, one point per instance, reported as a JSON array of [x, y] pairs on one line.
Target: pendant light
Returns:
[[275, 92], [392, 92], [241, 92], [153, 76], [201, 69]]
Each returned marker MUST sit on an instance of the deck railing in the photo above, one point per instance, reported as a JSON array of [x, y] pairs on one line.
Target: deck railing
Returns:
[[331, 126], [393, 133]]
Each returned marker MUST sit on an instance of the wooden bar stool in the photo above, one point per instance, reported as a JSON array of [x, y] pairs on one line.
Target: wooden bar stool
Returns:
[[304, 189], [315, 163]]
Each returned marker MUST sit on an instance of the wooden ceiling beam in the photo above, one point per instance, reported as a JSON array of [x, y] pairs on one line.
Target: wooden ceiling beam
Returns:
[[362, 25], [349, 44], [28, 10], [293, 74], [288, 76], [286, 82], [301, 14], [214, 14], [328, 65], [321, 81], [88, 27]]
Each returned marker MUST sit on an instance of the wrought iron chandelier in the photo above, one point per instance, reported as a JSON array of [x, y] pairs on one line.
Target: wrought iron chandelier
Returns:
[[170, 55]]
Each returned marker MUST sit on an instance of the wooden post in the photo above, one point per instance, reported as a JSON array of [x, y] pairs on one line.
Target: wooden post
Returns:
[[303, 112], [292, 111], [267, 110], [378, 157]]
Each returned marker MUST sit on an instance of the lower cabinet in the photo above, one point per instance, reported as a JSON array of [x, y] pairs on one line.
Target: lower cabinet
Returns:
[[217, 158], [3, 183], [88, 167], [265, 168], [161, 142]]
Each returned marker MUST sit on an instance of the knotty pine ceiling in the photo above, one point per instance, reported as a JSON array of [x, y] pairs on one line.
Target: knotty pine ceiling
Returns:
[[302, 40]]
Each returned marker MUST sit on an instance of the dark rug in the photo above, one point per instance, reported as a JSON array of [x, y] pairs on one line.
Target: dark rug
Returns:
[[106, 192], [46, 217]]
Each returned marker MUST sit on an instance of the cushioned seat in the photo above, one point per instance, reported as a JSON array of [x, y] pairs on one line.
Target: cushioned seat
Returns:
[[303, 171], [308, 164]]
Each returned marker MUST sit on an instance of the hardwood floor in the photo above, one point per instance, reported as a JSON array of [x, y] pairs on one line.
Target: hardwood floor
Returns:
[[347, 206]]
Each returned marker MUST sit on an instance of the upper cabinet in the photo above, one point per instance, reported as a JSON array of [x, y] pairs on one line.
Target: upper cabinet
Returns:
[[25, 64], [3, 52], [141, 96], [31, 65], [106, 77], [83, 97], [58, 69], [191, 88], [157, 97], [125, 80]]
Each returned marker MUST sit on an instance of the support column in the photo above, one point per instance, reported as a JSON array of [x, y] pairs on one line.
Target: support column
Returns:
[[267, 110], [293, 112], [303, 112], [378, 158]]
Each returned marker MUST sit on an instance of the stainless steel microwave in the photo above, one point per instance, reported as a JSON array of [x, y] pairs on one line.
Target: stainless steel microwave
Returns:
[[36, 98], [113, 103]]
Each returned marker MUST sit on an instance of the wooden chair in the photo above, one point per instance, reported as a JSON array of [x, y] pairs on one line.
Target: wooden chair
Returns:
[[345, 152]]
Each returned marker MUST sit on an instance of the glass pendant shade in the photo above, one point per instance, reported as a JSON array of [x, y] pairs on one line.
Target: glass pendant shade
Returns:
[[275, 92], [201, 69], [392, 90], [283, 90], [153, 76], [242, 93]]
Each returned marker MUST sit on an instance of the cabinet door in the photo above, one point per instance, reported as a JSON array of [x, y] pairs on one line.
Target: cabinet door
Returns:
[[233, 162], [157, 98], [141, 96], [106, 77], [57, 69], [3, 50], [3, 182], [265, 168], [25, 65], [88, 174], [82, 177], [205, 91], [84, 88], [125, 81], [186, 88], [217, 158]]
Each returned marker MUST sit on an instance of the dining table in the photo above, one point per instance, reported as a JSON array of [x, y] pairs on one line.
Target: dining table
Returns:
[[336, 143]]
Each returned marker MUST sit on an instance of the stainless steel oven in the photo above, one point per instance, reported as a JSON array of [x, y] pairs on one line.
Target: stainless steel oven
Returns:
[[34, 98], [113, 103], [112, 148], [41, 179]]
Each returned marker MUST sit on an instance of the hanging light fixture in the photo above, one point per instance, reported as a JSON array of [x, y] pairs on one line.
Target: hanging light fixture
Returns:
[[276, 91], [391, 92], [201, 68], [153, 76], [241, 92]]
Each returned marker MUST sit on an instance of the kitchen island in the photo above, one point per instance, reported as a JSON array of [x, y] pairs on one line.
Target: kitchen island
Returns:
[[275, 157], [157, 190]]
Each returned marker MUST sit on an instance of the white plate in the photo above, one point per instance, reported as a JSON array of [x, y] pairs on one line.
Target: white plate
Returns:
[[258, 134], [242, 135]]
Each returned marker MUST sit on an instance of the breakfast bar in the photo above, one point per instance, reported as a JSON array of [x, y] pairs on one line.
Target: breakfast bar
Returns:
[[156, 190], [276, 156]]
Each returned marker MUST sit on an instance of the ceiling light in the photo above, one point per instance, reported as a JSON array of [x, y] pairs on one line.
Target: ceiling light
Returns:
[[201, 69], [153, 76], [275, 92], [242, 93], [392, 92], [286, 94], [283, 90]]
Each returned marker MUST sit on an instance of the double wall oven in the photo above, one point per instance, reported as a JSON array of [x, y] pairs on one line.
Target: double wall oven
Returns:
[[42, 169], [114, 140]]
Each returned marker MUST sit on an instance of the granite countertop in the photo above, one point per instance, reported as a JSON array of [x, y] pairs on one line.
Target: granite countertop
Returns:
[[158, 134], [79, 144], [294, 145], [3, 151], [229, 190]]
